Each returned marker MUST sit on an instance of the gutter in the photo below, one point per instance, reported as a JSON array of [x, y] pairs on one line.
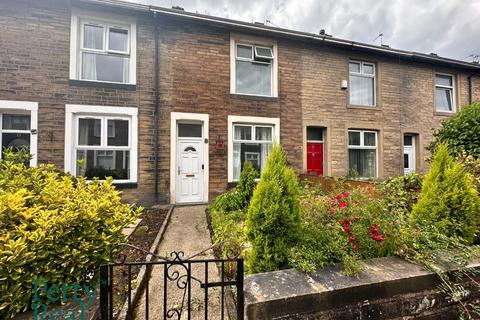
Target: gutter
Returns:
[[157, 107]]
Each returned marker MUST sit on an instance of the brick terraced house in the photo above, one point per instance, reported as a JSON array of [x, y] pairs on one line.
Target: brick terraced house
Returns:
[[171, 103]]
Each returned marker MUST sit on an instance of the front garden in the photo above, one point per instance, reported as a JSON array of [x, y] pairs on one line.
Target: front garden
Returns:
[[283, 222]]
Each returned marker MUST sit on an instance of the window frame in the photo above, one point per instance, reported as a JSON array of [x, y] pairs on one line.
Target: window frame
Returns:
[[274, 123], [362, 146], [453, 95], [74, 113], [365, 75], [80, 18], [252, 42], [24, 108]]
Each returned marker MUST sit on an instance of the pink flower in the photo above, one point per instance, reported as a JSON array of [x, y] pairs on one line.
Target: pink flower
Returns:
[[352, 239], [347, 229], [343, 205], [356, 247], [346, 194], [339, 197]]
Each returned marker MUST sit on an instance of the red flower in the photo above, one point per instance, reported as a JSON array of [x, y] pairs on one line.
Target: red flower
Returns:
[[339, 197], [351, 239], [347, 229], [375, 234], [346, 194], [356, 247], [343, 205], [346, 222]]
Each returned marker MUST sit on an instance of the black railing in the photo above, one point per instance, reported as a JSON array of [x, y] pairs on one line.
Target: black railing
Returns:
[[177, 274]]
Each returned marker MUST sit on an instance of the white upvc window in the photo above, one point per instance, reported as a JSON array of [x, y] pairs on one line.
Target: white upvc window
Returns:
[[444, 92], [363, 153], [250, 139], [101, 142], [18, 127], [102, 48], [362, 83], [253, 67]]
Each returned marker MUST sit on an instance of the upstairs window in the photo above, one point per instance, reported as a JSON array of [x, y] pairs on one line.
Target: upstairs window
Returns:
[[254, 70], [444, 93], [102, 50], [362, 83]]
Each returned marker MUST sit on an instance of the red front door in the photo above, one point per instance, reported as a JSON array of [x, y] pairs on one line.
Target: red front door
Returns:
[[315, 158]]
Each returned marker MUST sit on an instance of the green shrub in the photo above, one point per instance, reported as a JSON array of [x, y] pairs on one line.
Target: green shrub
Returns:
[[448, 200], [461, 132], [246, 184], [53, 227], [401, 193], [273, 216], [228, 213]]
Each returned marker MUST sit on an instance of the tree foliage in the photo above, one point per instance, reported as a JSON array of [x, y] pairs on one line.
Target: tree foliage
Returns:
[[273, 216], [461, 132], [449, 200]]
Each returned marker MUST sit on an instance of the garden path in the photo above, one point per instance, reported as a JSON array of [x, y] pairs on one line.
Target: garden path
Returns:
[[186, 231]]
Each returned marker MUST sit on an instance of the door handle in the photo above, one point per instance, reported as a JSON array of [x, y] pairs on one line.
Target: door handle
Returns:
[[178, 170], [190, 175]]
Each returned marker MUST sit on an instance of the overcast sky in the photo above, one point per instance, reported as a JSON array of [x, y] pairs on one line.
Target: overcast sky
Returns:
[[450, 28]]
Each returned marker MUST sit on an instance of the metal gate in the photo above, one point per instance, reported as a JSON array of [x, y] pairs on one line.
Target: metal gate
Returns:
[[176, 274]]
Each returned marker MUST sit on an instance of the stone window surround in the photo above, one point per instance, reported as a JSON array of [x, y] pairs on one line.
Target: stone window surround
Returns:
[[71, 113], [77, 16]]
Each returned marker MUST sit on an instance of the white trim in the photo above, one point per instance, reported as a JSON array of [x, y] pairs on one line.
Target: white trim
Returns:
[[452, 87], [248, 120], [252, 41], [32, 108], [79, 17], [175, 117], [74, 110]]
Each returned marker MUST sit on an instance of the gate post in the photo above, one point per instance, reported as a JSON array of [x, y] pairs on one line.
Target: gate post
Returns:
[[104, 291], [240, 296]]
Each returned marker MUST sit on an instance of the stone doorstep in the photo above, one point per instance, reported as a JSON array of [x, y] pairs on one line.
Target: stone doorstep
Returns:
[[286, 292]]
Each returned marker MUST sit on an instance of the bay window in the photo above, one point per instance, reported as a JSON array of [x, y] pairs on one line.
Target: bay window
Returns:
[[444, 93], [102, 49], [362, 153], [362, 83], [101, 145]]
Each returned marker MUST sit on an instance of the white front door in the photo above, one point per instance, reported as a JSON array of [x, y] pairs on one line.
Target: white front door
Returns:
[[408, 154], [190, 165]]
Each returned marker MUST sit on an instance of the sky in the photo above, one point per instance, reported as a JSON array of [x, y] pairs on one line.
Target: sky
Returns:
[[450, 28]]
